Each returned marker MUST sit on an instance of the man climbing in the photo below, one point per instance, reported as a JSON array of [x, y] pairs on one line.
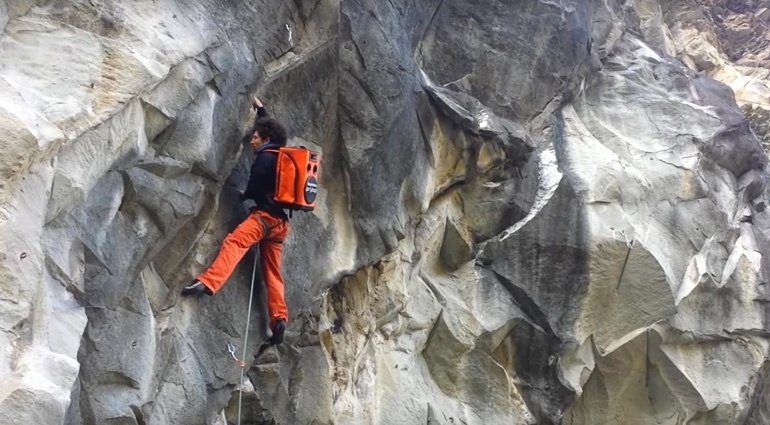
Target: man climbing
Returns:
[[266, 224]]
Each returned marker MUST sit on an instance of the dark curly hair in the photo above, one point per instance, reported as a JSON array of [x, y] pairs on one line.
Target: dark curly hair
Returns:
[[268, 127]]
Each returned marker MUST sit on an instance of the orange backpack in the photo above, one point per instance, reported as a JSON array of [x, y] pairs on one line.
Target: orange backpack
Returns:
[[296, 178]]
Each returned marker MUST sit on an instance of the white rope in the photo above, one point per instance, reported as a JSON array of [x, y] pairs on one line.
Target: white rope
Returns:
[[246, 337]]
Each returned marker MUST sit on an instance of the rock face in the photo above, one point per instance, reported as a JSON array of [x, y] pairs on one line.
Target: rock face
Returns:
[[730, 42], [530, 212]]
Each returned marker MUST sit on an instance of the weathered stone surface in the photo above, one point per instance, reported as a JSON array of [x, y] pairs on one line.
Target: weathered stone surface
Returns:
[[541, 212], [456, 247], [728, 40], [3, 16], [513, 58]]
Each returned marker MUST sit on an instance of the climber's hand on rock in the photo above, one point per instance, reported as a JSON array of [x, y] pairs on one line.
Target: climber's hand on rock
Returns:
[[256, 103]]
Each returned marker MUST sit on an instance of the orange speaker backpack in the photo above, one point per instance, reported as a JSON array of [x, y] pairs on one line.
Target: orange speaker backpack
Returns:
[[296, 177]]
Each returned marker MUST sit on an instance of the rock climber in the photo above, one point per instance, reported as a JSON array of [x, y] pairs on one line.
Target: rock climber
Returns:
[[266, 224]]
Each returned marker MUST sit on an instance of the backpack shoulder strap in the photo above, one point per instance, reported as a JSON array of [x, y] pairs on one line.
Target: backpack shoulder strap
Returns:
[[271, 150]]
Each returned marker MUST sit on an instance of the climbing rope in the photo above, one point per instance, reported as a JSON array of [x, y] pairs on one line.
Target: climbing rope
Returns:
[[231, 347]]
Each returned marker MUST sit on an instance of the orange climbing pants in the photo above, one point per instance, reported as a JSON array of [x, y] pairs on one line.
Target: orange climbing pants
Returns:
[[270, 232]]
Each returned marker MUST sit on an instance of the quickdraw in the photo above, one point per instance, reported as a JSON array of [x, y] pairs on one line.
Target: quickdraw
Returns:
[[231, 350]]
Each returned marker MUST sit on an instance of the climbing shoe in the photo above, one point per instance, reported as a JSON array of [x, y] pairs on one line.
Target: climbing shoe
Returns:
[[278, 329], [196, 288]]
